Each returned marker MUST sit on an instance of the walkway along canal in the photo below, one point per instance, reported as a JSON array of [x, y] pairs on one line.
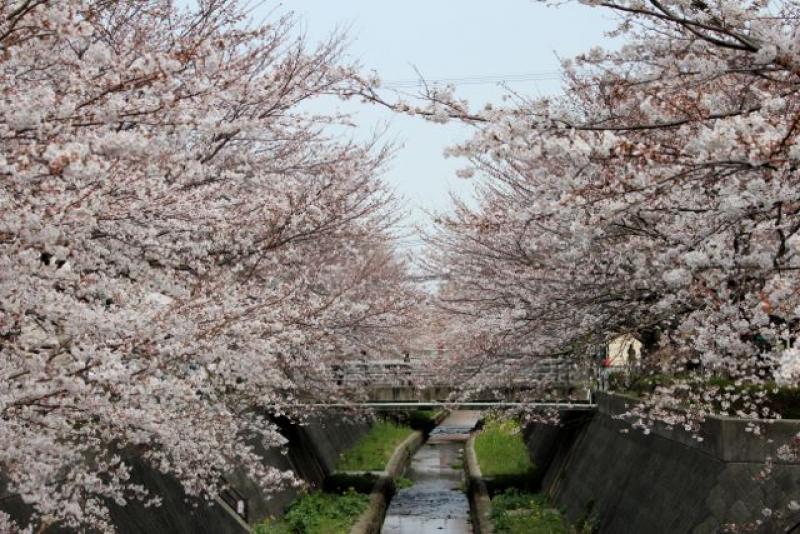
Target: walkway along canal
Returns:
[[437, 501]]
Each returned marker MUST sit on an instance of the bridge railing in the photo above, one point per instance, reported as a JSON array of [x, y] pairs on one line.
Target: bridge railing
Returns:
[[549, 372]]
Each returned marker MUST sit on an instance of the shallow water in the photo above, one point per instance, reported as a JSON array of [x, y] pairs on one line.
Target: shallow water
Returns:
[[436, 503]]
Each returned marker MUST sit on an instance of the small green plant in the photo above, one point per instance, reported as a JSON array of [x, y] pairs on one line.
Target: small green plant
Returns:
[[515, 512], [373, 450], [404, 482], [588, 523], [318, 513], [501, 450]]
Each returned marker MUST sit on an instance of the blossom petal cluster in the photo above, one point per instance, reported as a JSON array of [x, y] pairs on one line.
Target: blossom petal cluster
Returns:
[[183, 248], [659, 197]]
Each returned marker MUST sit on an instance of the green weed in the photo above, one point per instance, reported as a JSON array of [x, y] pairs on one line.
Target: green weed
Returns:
[[318, 513], [514, 512], [373, 450], [501, 450]]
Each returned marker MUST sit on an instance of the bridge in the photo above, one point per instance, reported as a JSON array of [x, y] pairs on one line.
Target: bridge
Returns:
[[410, 383], [455, 405]]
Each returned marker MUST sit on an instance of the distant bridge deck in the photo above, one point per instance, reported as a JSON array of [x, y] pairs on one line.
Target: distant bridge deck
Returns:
[[401, 384], [443, 394], [471, 405]]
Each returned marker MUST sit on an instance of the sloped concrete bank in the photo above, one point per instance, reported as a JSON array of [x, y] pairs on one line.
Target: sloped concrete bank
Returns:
[[314, 450], [664, 482], [371, 520], [312, 453], [480, 503]]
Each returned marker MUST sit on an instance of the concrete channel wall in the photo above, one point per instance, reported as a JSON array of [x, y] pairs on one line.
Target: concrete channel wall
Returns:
[[312, 453], [664, 482]]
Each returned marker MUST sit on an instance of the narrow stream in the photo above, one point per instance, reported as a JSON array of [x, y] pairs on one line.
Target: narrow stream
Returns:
[[437, 502]]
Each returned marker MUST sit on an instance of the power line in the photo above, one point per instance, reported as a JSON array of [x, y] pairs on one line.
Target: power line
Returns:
[[483, 77], [475, 80]]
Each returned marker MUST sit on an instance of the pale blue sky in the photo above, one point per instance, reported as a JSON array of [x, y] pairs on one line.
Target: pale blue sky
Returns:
[[448, 39]]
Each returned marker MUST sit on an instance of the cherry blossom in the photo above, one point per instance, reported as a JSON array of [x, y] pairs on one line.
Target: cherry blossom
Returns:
[[184, 250], [657, 197]]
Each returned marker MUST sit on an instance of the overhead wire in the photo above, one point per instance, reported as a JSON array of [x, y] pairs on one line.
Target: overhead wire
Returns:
[[474, 80]]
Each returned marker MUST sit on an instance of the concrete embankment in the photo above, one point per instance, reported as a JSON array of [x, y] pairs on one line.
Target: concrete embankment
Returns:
[[312, 453], [663, 482], [479, 499], [371, 520]]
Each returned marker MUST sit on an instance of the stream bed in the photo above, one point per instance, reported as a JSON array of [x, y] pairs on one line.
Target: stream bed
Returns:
[[437, 501]]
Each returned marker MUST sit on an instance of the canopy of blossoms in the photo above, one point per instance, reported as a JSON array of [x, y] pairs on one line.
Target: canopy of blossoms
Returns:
[[182, 247], [659, 197]]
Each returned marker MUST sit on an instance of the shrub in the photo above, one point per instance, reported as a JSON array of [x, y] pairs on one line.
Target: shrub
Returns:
[[318, 513]]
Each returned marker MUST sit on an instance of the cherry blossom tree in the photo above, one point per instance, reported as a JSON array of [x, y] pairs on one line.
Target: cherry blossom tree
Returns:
[[183, 249], [657, 197]]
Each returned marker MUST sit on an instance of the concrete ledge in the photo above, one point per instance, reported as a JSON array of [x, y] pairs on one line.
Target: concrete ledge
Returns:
[[402, 454], [230, 511], [724, 438], [441, 416], [371, 520], [480, 502]]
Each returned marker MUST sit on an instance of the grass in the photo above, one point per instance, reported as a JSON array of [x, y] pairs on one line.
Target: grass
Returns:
[[422, 420], [514, 512], [318, 513], [501, 450], [373, 450]]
